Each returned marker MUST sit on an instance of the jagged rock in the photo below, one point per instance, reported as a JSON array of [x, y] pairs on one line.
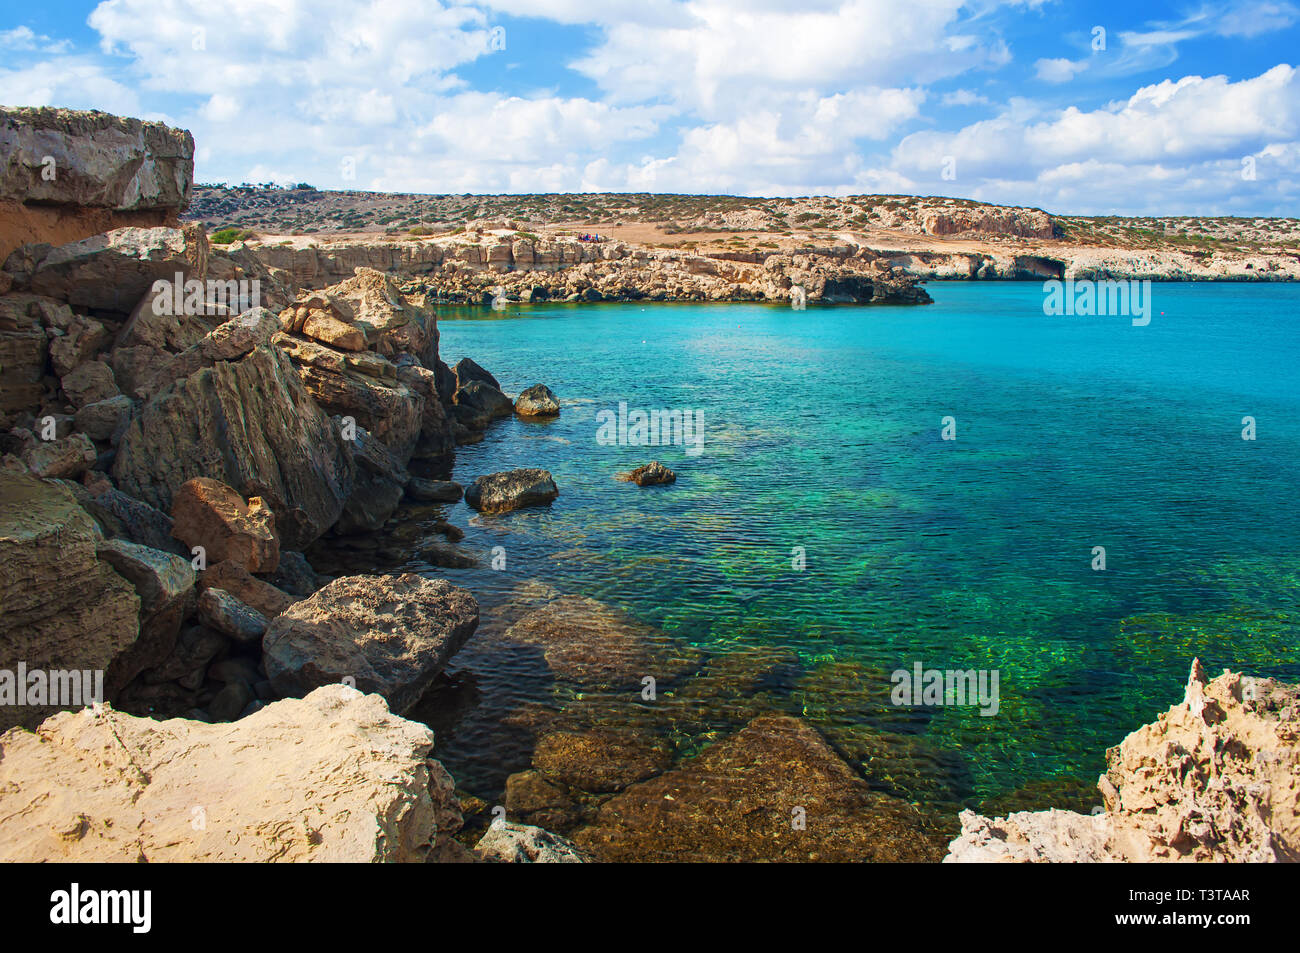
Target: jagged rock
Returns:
[[506, 843], [252, 425], [66, 458], [466, 371], [76, 340], [392, 321], [255, 593], [165, 584], [116, 270], [511, 490], [381, 480], [592, 644], [105, 786], [600, 760], [392, 634], [434, 491], [88, 383], [124, 516], [328, 329], [537, 401], [22, 354], [436, 437], [223, 613], [207, 513], [653, 473], [1213, 779], [484, 400], [64, 608], [106, 419], [389, 410], [745, 799]]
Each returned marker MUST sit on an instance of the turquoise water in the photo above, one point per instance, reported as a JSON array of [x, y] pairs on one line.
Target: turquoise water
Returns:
[[822, 430]]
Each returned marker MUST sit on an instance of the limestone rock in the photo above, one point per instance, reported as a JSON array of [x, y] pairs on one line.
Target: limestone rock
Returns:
[[165, 584], [599, 760], [392, 634], [88, 383], [506, 843], [223, 613], [511, 490], [105, 786], [116, 270], [64, 608], [380, 482], [537, 401], [106, 420], [252, 425], [1213, 779], [207, 513], [258, 594]]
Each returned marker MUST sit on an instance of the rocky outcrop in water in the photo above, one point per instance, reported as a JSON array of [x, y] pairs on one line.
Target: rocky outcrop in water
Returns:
[[511, 490], [653, 473], [1213, 779], [537, 401]]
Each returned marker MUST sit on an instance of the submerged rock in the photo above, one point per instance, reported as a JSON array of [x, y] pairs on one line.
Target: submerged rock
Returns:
[[773, 791], [600, 760], [593, 644], [537, 401], [389, 634], [511, 490], [653, 473], [100, 785], [434, 491], [1213, 779]]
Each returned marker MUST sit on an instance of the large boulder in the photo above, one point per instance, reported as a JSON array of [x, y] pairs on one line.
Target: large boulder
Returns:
[[537, 401], [23, 351], [333, 777], [466, 371], [113, 271], [388, 634], [381, 480], [64, 609], [484, 400], [1213, 779], [252, 425], [511, 490]]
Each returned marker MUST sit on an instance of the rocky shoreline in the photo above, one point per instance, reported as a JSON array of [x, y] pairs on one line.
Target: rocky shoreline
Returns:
[[180, 426]]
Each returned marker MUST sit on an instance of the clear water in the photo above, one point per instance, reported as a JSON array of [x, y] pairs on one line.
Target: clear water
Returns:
[[823, 431]]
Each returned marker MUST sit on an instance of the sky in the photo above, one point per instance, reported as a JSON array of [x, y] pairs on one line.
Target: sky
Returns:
[[1101, 108]]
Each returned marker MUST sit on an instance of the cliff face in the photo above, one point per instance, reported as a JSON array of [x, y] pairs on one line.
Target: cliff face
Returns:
[[478, 267], [69, 175], [1216, 778]]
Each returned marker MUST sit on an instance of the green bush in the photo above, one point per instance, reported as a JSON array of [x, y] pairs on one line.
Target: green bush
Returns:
[[226, 236]]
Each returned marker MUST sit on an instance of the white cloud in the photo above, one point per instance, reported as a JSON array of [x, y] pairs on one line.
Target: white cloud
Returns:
[[1058, 70]]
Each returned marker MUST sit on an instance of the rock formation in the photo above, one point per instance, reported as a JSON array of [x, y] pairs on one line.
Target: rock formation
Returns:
[[99, 785], [653, 473], [1216, 778], [511, 490]]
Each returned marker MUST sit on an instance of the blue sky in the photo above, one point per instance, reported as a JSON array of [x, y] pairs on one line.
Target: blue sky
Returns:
[[1098, 108]]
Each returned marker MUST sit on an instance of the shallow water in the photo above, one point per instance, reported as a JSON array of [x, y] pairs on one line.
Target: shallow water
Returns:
[[822, 430]]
